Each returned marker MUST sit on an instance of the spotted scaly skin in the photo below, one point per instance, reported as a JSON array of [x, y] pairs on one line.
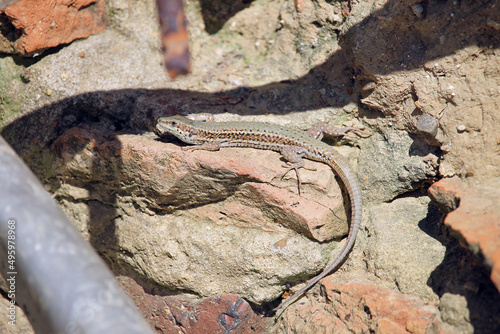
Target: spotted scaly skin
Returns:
[[292, 144]]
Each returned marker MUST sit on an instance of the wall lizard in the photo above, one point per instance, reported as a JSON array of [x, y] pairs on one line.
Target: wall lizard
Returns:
[[200, 130]]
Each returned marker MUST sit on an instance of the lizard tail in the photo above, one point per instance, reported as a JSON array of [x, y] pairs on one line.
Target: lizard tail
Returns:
[[351, 185]]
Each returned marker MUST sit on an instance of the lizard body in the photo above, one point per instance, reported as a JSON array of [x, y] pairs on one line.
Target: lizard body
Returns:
[[293, 146]]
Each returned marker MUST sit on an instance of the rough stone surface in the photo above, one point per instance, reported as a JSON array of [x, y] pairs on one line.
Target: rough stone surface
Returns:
[[396, 67], [410, 171], [476, 220], [29, 27], [391, 250], [5, 3], [12, 318], [452, 89]]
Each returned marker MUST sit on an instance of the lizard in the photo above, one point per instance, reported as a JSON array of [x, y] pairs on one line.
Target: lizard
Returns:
[[294, 145]]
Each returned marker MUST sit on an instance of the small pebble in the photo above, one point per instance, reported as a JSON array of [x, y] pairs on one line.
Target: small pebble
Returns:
[[368, 87], [446, 147], [428, 124], [461, 128], [417, 9]]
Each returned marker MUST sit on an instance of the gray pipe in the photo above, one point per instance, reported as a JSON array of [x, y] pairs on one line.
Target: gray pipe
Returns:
[[53, 274]]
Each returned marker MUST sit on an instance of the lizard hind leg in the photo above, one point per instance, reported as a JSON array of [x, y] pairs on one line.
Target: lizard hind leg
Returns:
[[293, 155]]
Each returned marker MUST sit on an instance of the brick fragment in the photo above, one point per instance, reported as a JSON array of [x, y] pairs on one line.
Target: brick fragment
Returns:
[[29, 27]]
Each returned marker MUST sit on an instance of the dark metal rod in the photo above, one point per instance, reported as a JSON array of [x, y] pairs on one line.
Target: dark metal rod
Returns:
[[52, 273]]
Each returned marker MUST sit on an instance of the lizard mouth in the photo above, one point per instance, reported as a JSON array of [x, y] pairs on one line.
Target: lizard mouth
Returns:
[[159, 129]]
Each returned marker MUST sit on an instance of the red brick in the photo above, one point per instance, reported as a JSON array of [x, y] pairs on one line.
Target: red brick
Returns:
[[476, 220], [356, 304], [171, 314], [31, 26]]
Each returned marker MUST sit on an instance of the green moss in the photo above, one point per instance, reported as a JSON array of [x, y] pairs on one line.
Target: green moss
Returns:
[[10, 79], [111, 11]]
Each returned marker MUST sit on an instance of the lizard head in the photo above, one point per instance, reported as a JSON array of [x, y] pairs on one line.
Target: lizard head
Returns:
[[178, 126]]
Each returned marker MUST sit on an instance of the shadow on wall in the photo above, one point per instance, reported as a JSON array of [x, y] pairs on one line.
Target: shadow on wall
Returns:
[[462, 274], [217, 13], [413, 41]]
